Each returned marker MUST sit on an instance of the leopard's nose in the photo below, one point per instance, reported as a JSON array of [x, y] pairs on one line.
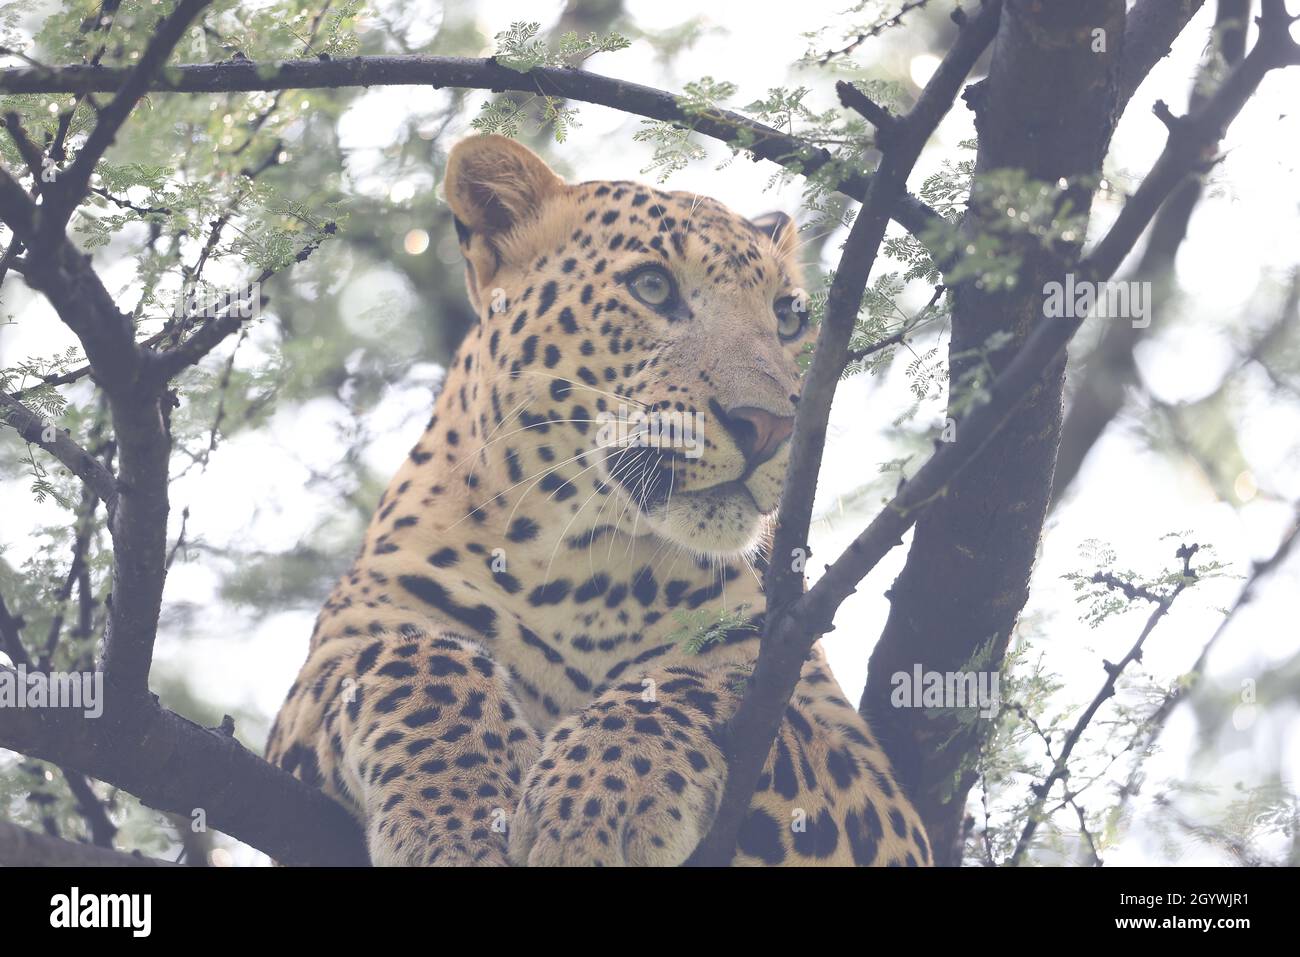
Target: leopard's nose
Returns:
[[757, 432]]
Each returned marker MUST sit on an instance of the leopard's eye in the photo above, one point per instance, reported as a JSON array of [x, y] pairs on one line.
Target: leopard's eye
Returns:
[[791, 317], [652, 286]]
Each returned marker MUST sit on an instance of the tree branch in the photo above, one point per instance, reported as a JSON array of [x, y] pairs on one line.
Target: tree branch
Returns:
[[1152, 27], [28, 150], [885, 122], [163, 366], [160, 757], [980, 534], [174, 765], [102, 21], [231, 76], [1101, 390], [138, 523], [1131, 592], [102, 829], [64, 276], [34, 428], [1192, 139], [1155, 724], [20, 847]]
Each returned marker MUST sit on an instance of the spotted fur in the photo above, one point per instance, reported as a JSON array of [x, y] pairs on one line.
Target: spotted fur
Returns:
[[500, 677]]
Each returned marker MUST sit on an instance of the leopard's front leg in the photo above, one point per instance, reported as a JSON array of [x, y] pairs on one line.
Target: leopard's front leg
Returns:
[[635, 778], [420, 734]]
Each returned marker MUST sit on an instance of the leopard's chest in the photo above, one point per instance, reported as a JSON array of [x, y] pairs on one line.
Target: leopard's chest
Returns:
[[568, 627]]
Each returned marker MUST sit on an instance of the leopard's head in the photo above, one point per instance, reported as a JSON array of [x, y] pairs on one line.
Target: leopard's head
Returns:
[[658, 331]]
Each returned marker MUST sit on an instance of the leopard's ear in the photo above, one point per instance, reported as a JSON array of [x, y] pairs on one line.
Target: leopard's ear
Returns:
[[493, 184], [779, 228]]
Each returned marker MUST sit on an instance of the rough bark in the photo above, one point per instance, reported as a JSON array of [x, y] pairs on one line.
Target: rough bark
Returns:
[[1049, 107]]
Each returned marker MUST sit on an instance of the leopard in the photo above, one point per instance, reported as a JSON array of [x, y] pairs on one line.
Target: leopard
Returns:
[[511, 672]]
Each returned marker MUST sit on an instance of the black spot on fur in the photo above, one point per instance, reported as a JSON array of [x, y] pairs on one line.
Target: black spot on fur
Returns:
[[760, 836], [479, 617], [522, 530]]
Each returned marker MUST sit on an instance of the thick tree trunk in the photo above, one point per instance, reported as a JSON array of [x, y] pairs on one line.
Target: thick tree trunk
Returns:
[[1048, 107]]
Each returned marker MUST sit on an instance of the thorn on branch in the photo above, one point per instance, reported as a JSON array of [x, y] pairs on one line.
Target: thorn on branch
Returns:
[[1131, 592], [1182, 128], [127, 204], [1274, 10], [879, 27], [1166, 116], [888, 126], [975, 96]]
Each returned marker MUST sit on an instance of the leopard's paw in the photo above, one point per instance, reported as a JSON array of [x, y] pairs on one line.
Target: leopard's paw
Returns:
[[603, 800], [414, 843]]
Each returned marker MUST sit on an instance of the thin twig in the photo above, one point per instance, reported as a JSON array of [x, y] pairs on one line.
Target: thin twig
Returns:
[[1146, 736], [1060, 767], [877, 28], [74, 182]]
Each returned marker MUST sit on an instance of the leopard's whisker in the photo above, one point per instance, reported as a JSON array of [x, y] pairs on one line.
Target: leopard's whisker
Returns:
[[633, 499], [535, 425], [627, 400], [539, 475], [572, 458], [572, 519], [625, 465], [487, 439]]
